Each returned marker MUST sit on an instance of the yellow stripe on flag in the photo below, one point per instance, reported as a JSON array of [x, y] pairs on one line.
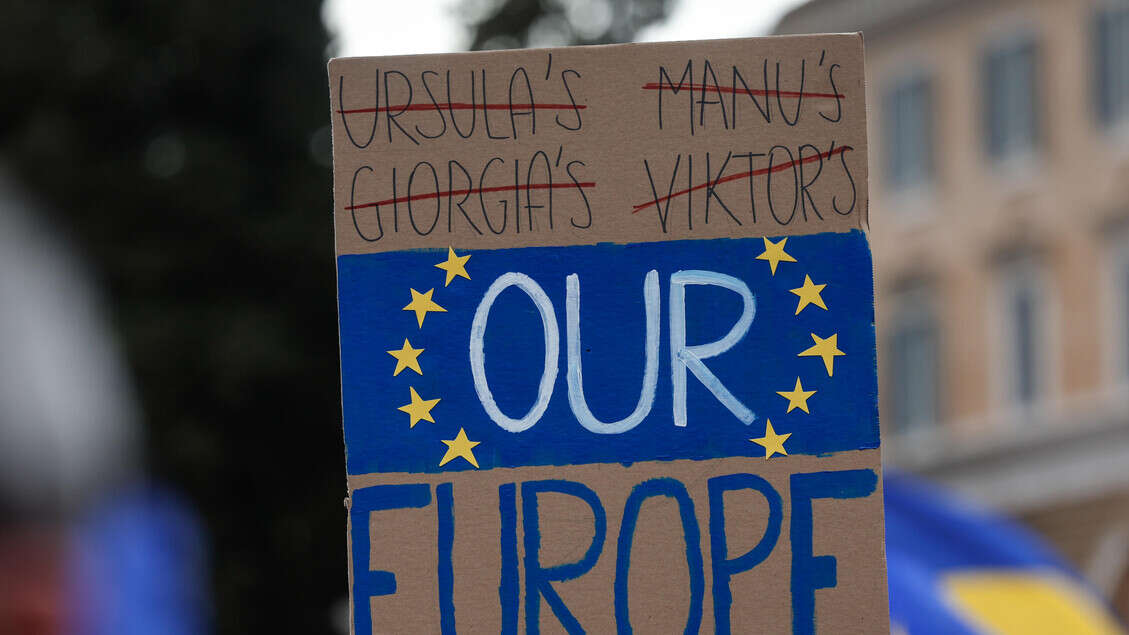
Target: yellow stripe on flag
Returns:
[[1027, 603]]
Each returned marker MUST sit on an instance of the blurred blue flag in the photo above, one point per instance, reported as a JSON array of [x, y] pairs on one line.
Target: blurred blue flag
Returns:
[[956, 570], [139, 568]]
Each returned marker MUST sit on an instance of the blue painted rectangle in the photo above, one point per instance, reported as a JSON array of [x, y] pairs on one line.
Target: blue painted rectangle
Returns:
[[374, 289]]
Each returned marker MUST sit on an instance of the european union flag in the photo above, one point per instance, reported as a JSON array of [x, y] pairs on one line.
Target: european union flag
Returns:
[[761, 333], [957, 570]]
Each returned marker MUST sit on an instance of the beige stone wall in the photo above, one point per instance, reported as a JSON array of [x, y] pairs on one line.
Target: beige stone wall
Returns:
[[1065, 203], [1060, 202], [1062, 465]]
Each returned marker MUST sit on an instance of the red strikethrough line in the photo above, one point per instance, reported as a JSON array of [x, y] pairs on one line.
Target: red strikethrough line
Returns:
[[463, 106], [747, 91], [482, 190], [743, 175]]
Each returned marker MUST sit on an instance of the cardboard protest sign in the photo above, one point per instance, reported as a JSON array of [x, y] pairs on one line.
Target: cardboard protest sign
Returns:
[[607, 340]]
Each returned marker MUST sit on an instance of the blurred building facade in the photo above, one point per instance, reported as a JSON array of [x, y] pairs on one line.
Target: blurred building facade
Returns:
[[1000, 229]]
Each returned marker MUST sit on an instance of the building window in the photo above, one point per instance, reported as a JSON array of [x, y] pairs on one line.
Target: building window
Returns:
[[1024, 333], [1111, 63], [914, 355], [1117, 306], [1024, 305], [1010, 96], [908, 134], [1123, 278]]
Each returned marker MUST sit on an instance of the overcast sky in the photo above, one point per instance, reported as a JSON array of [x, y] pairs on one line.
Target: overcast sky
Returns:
[[367, 27]]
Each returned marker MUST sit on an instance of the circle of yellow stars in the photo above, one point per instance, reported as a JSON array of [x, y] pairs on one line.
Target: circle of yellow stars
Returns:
[[422, 303], [825, 348], [407, 358]]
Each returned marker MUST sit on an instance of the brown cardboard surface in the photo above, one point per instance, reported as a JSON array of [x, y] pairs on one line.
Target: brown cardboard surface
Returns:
[[403, 541], [595, 148], [619, 130]]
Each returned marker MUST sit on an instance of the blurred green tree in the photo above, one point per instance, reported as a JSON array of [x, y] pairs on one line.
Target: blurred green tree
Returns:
[[184, 149], [497, 24]]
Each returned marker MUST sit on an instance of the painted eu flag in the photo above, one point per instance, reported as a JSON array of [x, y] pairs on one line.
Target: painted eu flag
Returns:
[[610, 353]]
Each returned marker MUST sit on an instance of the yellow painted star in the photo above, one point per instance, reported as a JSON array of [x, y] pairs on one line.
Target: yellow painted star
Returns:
[[827, 348], [774, 253], [460, 446], [809, 294], [406, 357], [422, 304], [454, 266], [797, 398], [771, 442], [419, 409]]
